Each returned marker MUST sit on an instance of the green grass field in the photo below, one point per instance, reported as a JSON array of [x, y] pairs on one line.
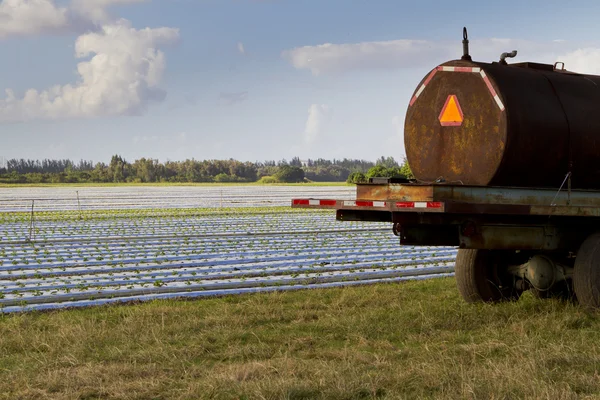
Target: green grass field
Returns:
[[388, 341]]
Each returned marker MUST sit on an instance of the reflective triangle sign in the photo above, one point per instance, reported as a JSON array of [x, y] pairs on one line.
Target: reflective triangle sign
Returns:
[[451, 114]]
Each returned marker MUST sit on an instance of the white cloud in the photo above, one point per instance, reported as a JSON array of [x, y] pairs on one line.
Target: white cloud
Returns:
[[319, 116], [328, 58], [337, 58], [97, 10], [585, 61], [30, 17], [121, 78], [241, 48], [33, 17]]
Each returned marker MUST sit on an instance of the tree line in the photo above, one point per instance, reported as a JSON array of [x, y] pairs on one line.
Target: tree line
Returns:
[[146, 170]]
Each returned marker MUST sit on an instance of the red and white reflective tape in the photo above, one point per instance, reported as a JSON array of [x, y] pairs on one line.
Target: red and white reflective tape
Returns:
[[459, 69], [476, 70], [371, 204], [429, 77], [333, 203], [483, 75], [492, 91], [419, 204], [314, 202], [359, 203]]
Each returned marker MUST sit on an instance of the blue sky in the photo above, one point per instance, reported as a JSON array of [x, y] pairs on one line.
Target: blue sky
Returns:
[[249, 79]]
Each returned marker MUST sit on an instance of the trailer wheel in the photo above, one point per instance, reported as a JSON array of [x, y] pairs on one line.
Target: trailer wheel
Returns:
[[481, 276], [586, 276]]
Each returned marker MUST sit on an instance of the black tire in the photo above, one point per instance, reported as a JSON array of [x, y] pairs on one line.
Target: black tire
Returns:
[[481, 276], [586, 276]]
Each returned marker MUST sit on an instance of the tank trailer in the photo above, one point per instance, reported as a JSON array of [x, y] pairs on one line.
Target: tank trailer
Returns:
[[506, 159]]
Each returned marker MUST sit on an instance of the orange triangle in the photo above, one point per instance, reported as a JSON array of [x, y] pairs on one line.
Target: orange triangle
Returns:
[[451, 114]]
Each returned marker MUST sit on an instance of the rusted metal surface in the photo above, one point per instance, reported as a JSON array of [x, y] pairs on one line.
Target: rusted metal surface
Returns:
[[548, 128], [489, 219], [509, 237], [514, 195], [566, 211], [471, 152], [491, 233], [477, 194], [474, 217], [402, 199], [524, 237], [394, 192], [488, 209]]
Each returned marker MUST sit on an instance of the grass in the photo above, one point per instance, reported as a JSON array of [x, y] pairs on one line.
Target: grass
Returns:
[[388, 341], [210, 184], [112, 214]]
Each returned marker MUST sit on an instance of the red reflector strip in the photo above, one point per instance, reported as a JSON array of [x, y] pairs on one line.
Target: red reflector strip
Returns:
[[314, 202], [492, 91], [364, 204], [419, 204], [477, 70], [328, 202], [459, 69], [360, 203], [418, 93]]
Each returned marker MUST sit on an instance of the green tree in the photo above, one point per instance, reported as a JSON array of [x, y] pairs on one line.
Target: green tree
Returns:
[[387, 162], [406, 171], [379, 171], [146, 169], [116, 169], [289, 174], [357, 177], [100, 173], [226, 178]]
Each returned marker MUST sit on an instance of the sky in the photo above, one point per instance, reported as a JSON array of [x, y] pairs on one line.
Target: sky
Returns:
[[251, 80]]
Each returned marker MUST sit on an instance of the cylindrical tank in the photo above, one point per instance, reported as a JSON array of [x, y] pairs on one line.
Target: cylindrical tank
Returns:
[[525, 125]]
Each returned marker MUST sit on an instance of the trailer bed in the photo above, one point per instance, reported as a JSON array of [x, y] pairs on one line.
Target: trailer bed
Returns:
[[461, 199], [473, 217]]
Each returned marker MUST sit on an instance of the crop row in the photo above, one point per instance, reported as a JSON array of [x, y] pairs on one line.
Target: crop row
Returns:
[[156, 197], [86, 262], [204, 225]]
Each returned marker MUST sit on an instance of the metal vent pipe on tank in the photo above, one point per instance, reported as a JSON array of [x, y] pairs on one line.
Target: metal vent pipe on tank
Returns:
[[465, 42]]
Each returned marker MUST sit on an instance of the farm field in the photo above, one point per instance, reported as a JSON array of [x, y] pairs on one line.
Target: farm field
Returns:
[[412, 340], [81, 254], [17, 198]]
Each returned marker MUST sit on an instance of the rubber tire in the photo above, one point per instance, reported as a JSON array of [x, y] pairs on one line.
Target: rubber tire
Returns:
[[586, 276], [476, 274]]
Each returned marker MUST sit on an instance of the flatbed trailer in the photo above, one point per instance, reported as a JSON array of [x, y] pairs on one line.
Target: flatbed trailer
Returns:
[[510, 239]]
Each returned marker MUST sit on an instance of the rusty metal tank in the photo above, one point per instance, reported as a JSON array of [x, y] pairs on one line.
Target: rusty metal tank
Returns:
[[525, 124]]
